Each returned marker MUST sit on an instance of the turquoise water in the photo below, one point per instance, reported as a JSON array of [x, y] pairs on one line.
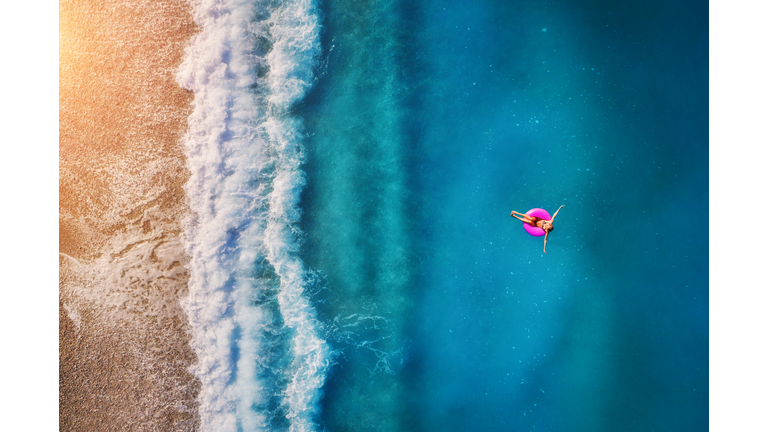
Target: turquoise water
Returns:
[[428, 122], [353, 265]]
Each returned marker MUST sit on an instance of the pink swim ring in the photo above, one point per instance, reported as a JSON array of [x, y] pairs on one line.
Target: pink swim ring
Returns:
[[539, 213]]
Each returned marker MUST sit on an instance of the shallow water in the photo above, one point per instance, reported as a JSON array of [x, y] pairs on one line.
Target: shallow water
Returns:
[[353, 264], [429, 123]]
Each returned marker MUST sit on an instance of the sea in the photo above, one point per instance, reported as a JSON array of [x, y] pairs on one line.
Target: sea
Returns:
[[353, 263]]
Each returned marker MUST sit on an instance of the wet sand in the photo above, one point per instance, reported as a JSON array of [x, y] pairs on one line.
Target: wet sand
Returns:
[[123, 338]]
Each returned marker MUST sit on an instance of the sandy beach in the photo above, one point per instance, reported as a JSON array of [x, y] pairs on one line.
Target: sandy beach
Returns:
[[123, 338]]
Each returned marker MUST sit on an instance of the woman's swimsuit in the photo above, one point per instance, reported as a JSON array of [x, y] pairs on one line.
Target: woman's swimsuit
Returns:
[[536, 221]]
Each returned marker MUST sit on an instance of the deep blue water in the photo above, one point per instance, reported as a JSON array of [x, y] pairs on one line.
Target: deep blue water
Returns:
[[427, 124]]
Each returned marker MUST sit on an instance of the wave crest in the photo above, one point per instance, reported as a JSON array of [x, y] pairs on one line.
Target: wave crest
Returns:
[[247, 307]]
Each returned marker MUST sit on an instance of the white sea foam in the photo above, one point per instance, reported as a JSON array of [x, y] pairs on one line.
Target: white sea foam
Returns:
[[249, 64]]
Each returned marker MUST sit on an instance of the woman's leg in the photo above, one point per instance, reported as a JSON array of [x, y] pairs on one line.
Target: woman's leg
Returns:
[[523, 217]]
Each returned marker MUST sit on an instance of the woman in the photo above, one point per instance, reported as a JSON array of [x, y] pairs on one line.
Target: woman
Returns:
[[546, 225]]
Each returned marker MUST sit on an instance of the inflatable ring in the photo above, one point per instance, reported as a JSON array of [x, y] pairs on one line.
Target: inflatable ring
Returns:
[[541, 214]]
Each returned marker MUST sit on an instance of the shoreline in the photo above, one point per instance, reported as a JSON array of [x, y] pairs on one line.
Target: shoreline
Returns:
[[124, 350]]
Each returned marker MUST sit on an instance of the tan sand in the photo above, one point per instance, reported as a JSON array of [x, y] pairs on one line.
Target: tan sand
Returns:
[[123, 339]]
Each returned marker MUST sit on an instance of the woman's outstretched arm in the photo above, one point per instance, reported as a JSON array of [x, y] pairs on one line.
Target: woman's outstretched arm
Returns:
[[558, 211], [545, 240]]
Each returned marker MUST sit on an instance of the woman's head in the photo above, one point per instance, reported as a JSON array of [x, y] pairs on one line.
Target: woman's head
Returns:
[[547, 226]]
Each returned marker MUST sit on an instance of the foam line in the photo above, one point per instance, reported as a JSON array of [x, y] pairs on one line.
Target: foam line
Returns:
[[248, 65]]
